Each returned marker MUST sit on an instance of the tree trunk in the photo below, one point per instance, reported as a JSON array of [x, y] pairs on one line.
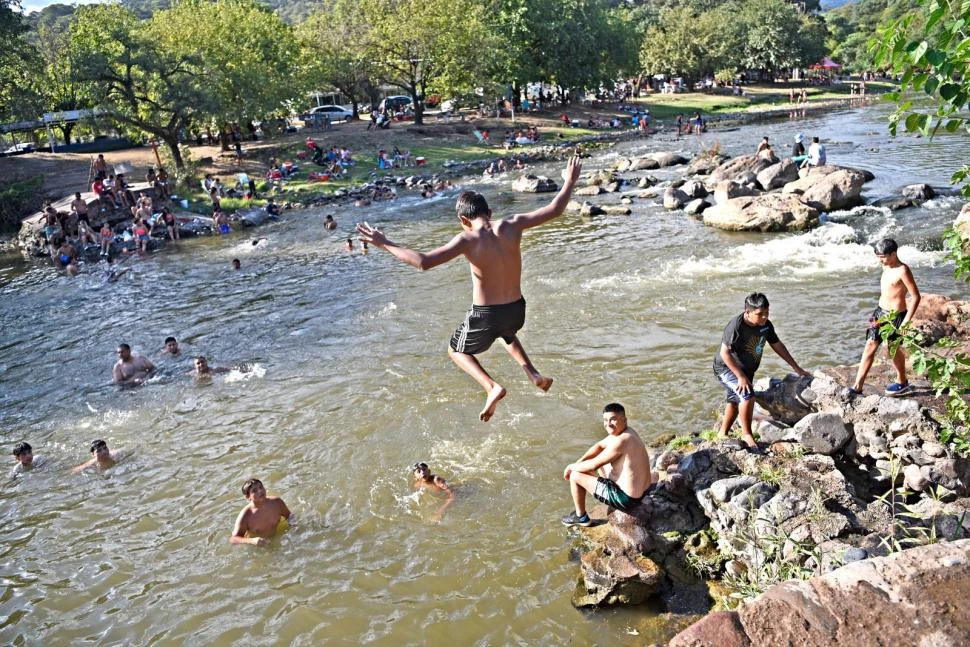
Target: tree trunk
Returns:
[[66, 132], [418, 107], [173, 146]]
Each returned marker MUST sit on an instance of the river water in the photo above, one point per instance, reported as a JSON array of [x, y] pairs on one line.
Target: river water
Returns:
[[351, 384]]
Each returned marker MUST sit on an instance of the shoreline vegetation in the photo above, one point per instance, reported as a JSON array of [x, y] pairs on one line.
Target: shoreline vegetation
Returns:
[[449, 147]]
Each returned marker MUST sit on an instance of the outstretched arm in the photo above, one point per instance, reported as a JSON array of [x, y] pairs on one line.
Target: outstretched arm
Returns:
[[783, 353], [422, 261], [558, 204]]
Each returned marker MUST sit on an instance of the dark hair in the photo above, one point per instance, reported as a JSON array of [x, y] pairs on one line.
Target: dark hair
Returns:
[[23, 448], [419, 466], [98, 444], [248, 486], [77, 196], [815, 139], [125, 346], [615, 407], [235, 261], [886, 246], [168, 339], [755, 301], [471, 204]]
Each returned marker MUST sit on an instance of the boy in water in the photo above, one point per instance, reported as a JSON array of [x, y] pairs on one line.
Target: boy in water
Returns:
[[494, 255], [102, 457], [742, 344], [23, 453], [424, 479], [258, 520], [896, 281], [616, 470]]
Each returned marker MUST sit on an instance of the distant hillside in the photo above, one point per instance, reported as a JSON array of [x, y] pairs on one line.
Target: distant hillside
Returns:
[[292, 11], [835, 4]]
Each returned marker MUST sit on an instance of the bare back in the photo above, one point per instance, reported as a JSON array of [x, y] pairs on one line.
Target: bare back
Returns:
[[494, 255], [893, 290], [631, 469]]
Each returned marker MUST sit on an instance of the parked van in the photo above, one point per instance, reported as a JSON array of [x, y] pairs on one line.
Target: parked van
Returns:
[[396, 104]]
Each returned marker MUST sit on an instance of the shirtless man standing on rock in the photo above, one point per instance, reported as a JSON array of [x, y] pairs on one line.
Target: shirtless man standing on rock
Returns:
[[896, 281], [494, 254], [260, 519], [130, 368], [623, 465]]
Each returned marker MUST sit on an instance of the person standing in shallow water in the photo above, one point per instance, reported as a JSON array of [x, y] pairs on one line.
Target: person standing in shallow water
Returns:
[[896, 281], [259, 520], [493, 251]]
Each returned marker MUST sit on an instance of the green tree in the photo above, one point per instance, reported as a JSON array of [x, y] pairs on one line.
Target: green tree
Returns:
[[15, 54], [333, 55], [425, 45], [686, 44], [772, 38]]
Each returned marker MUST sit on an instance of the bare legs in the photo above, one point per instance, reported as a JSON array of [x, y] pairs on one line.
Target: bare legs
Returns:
[[746, 409], [579, 484], [495, 391], [869, 355]]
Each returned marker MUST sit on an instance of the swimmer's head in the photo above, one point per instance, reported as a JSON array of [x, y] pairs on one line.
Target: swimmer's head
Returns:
[[885, 247], [124, 351], [471, 205], [171, 345], [236, 264], [253, 488], [421, 470], [24, 453], [100, 449], [201, 364]]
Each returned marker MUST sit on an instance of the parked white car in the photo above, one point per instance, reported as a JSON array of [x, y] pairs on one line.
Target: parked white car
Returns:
[[336, 113]]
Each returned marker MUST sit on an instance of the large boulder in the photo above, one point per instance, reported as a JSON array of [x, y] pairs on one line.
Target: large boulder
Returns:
[[918, 192], [534, 184], [705, 163], [734, 168], [668, 159], [778, 175], [643, 164], [962, 226], [769, 212], [696, 207], [839, 190], [784, 399], [610, 577], [729, 189], [822, 433], [674, 198], [916, 597], [694, 189]]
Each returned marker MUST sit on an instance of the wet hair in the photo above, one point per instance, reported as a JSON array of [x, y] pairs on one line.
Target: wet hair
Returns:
[[125, 346], [615, 407], [23, 448], [168, 339], [420, 466], [98, 444], [247, 487], [236, 262], [886, 246], [755, 301], [471, 204], [77, 196], [815, 139]]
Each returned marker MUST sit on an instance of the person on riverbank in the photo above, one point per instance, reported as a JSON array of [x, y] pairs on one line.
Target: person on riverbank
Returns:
[[798, 149], [762, 145], [493, 251], [895, 283], [171, 224], [131, 368], [141, 231], [80, 207], [101, 458], [259, 520], [221, 221], [66, 258], [107, 237], [425, 480], [615, 470], [742, 345]]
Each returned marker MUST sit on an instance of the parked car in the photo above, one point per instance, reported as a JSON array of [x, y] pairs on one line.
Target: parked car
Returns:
[[336, 113], [19, 149], [399, 103]]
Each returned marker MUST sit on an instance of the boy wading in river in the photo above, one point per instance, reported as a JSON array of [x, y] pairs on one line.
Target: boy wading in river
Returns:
[[494, 256]]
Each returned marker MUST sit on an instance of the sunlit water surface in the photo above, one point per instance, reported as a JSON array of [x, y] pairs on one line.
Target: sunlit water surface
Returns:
[[352, 384]]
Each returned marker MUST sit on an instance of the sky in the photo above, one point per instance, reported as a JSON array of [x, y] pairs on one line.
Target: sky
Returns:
[[37, 5]]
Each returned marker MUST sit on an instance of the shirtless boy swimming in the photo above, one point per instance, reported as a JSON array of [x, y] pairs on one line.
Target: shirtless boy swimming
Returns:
[[425, 480], [897, 280], [258, 520], [131, 368], [101, 457], [495, 258]]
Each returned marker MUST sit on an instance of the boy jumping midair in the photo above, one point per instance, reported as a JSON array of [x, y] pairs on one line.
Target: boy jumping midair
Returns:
[[494, 256]]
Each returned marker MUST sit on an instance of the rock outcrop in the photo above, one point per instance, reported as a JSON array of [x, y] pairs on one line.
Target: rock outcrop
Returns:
[[917, 597], [769, 212], [778, 175], [736, 168], [534, 184]]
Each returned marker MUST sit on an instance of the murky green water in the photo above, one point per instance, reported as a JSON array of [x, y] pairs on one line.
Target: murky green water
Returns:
[[353, 385]]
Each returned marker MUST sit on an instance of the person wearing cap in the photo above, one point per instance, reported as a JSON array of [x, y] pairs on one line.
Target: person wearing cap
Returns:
[[798, 150], [425, 480]]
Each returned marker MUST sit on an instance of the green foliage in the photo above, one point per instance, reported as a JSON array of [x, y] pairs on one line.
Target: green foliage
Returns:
[[933, 62], [16, 198], [907, 527], [770, 474], [680, 442]]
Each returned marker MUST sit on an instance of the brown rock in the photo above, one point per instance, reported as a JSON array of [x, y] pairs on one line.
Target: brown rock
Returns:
[[721, 628], [769, 212]]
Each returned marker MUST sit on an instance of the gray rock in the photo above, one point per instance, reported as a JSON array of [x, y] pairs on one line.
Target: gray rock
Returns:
[[696, 207], [728, 189], [534, 184], [674, 198], [693, 465], [787, 400], [823, 433], [616, 210], [769, 212], [778, 175], [918, 192], [733, 168], [593, 189], [770, 431], [646, 181], [590, 209], [644, 164], [936, 450], [893, 203], [668, 159], [724, 489], [694, 189], [754, 497], [913, 478], [855, 554], [705, 163]]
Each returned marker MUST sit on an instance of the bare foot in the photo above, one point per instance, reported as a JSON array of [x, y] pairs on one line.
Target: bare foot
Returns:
[[543, 383], [749, 441], [496, 394]]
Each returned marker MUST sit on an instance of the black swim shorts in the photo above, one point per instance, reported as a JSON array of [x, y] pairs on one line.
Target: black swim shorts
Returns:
[[610, 493], [484, 324], [872, 332]]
